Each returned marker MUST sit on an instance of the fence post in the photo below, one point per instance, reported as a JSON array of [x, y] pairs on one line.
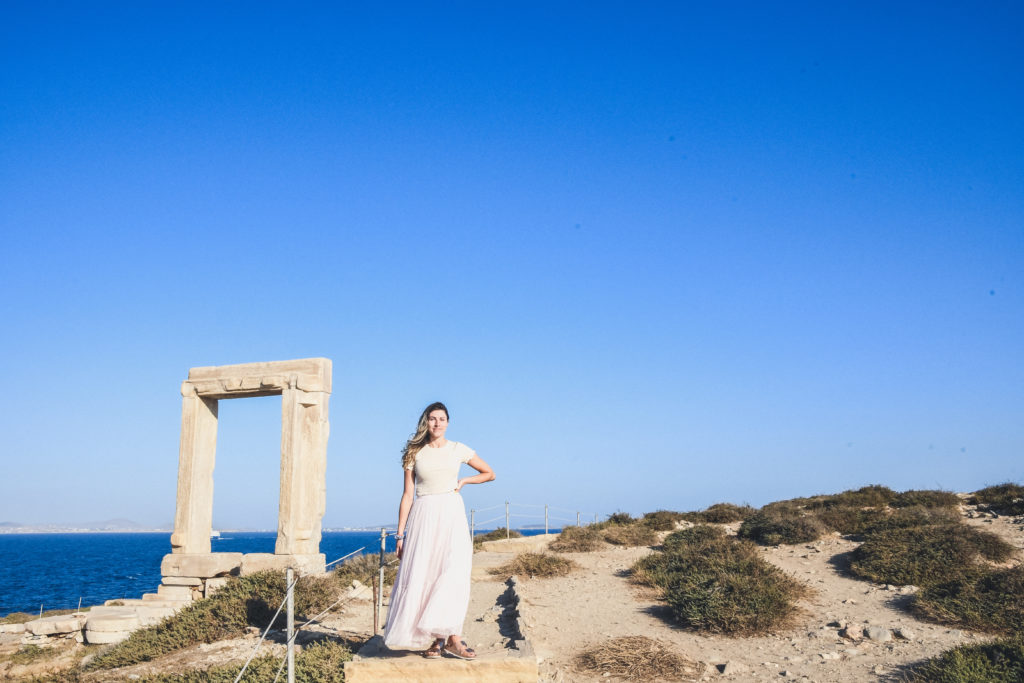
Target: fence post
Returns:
[[289, 576], [472, 524], [508, 532], [545, 519], [379, 602], [595, 518], [577, 519]]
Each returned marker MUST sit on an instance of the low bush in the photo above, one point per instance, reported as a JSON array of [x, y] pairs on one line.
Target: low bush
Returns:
[[1006, 499], [724, 513], [926, 555], [716, 584], [661, 520], [535, 565], [775, 528], [636, 658], [695, 535], [577, 539], [928, 499], [620, 518], [999, 661], [867, 496], [860, 522], [851, 521], [630, 534], [992, 601], [248, 600], [320, 662], [499, 534]]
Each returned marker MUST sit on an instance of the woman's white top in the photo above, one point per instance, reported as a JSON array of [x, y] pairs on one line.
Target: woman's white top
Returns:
[[437, 469]]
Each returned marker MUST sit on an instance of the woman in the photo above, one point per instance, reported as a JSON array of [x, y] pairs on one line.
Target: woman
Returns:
[[431, 592]]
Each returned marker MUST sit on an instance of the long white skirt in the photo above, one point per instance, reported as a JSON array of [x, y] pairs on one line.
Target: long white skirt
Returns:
[[431, 592]]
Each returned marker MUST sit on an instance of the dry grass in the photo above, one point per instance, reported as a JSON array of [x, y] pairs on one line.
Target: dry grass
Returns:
[[927, 555], [662, 520], [1006, 499], [992, 601], [777, 527], [634, 534], [637, 658], [577, 539], [499, 534], [535, 565]]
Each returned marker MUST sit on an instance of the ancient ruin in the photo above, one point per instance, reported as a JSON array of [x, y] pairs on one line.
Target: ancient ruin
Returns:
[[305, 387]]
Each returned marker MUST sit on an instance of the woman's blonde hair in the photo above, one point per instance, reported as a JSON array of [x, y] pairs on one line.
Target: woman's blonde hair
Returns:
[[422, 436]]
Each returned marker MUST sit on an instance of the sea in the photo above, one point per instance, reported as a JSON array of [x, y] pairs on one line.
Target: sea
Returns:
[[60, 571]]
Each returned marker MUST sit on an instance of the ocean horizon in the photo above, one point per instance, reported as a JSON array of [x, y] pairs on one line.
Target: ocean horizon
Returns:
[[60, 570]]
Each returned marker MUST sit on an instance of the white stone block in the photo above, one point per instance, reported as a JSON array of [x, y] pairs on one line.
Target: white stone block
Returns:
[[182, 581], [303, 565], [203, 565], [167, 592], [105, 637], [48, 626]]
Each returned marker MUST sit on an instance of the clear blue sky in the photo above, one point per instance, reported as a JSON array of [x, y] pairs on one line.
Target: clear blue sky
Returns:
[[652, 256]]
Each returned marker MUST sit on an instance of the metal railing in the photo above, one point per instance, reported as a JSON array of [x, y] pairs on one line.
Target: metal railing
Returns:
[[509, 516]]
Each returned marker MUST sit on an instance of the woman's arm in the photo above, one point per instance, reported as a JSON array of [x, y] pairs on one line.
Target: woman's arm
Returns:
[[403, 508], [486, 473]]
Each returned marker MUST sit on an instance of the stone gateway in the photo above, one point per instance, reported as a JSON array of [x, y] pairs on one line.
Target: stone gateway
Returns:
[[305, 387]]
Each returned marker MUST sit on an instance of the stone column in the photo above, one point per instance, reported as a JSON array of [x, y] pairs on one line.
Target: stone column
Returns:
[[193, 516], [304, 431]]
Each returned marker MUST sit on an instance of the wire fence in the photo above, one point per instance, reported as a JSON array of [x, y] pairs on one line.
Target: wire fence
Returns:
[[520, 512]]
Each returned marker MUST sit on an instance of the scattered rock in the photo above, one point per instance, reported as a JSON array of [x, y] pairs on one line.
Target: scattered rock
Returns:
[[905, 633], [731, 667], [878, 634], [851, 633]]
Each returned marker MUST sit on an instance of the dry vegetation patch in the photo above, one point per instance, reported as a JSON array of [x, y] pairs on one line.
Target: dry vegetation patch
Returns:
[[777, 527], [577, 539], [637, 658], [1005, 499], [631, 534], [927, 555], [721, 513], [535, 565], [999, 661], [499, 534], [714, 583], [992, 601]]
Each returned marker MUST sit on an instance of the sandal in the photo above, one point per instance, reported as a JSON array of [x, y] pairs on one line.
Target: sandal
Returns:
[[461, 650], [434, 651]]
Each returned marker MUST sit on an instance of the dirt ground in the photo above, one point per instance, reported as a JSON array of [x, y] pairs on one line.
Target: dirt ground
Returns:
[[598, 603]]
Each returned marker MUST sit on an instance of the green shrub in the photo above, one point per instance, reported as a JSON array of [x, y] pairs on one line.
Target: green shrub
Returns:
[[741, 597], [928, 499], [725, 513], [1000, 661], [851, 521], [540, 565], [926, 555], [867, 496], [695, 535], [661, 520], [716, 584], [630, 534], [499, 534], [774, 528], [577, 539], [32, 653], [992, 601], [320, 662], [1006, 499]]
